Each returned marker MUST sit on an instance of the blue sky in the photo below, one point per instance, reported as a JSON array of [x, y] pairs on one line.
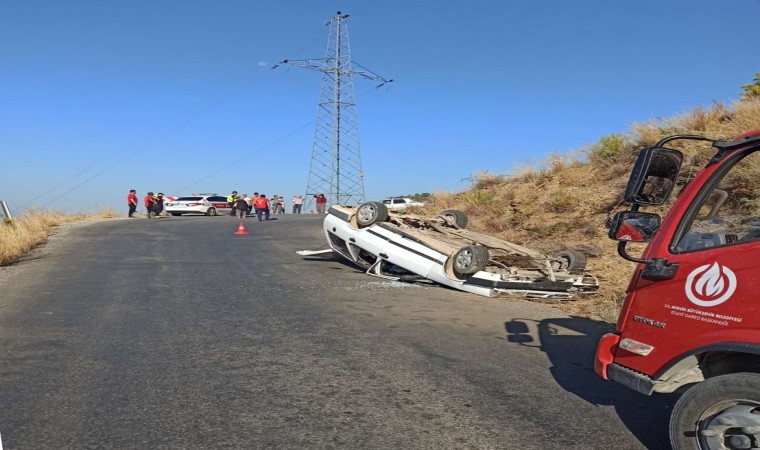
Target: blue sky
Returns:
[[97, 97]]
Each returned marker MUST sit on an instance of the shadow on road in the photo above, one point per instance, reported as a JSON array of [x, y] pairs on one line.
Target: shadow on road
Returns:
[[570, 344]]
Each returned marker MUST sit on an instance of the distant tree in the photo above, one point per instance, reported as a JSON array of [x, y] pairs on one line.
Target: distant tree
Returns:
[[419, 197], [752, 91]]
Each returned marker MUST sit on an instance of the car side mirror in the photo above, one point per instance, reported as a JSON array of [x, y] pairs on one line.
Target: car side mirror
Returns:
[[654, 176], [634, 226]]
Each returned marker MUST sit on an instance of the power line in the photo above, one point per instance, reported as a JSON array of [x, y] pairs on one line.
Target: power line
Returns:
[[110, 164], [236, 162]]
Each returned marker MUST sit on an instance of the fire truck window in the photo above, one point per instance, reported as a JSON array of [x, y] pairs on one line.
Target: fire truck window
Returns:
[[730, 214]]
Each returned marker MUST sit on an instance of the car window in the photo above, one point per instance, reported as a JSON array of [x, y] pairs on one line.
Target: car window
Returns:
[[188, 199], [400, 200], [387, 202], [217, 199]]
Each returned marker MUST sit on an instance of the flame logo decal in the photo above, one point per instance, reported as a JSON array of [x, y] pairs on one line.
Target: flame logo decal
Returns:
[[710, 285]]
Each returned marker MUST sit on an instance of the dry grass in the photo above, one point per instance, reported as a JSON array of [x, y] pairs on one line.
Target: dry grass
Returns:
[[32, 228], [566, 201]]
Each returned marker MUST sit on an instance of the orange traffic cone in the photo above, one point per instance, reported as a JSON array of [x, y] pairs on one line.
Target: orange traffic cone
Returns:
[[241, 229]]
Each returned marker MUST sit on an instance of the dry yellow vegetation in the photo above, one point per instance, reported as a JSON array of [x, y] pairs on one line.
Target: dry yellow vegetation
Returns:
[[33, 228], [567, 201]]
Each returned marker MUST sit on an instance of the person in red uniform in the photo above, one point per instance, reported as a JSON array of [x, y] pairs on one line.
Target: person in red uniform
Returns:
[[253, 203], [262, 206], [321, 203], [150, 204], [132, 202]]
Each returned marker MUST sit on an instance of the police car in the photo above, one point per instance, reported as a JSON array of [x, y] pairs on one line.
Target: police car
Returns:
[[207, 204]]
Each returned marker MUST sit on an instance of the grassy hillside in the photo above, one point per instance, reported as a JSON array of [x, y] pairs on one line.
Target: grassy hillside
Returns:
[[567, 201], [33, 228]]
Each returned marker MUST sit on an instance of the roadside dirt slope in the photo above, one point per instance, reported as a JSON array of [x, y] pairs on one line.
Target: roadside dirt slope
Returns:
[[567, 202]]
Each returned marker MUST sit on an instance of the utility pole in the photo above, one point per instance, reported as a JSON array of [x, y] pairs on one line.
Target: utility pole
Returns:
[[336, 167]]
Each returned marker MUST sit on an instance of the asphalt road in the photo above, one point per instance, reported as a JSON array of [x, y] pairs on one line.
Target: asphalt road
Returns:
[[177, 333]]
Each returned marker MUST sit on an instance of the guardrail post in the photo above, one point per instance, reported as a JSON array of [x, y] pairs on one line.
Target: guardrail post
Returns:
[[6, 210]]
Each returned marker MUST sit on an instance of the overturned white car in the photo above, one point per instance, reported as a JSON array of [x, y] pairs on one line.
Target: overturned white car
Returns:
[[407, 247]]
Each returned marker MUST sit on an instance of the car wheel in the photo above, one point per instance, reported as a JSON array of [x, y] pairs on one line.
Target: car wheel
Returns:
[[716, 412], [458, 218], [176, 214], [211, 212], [371, 213], [470, 259], [572, 261]]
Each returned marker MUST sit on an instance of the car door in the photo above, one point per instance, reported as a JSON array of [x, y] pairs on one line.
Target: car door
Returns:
[[407, 253], [714, 249], [220, 203]]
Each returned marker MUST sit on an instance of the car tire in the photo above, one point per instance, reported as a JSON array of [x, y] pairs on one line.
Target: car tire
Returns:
[[572, 261], [470, 259], [211, 212], [707, 403], [371, 213], [459, 218], [176, 214]]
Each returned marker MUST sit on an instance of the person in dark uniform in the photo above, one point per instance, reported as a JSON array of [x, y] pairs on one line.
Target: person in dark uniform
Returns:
[[159, 200]]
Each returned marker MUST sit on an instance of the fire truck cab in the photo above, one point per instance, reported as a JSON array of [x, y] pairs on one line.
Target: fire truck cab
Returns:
[[690, 322]]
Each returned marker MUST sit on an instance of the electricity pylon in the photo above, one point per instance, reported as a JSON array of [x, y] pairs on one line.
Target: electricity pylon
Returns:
[[336, 166]]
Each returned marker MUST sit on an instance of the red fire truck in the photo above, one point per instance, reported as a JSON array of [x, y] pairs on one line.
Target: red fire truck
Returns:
[[690, 322]]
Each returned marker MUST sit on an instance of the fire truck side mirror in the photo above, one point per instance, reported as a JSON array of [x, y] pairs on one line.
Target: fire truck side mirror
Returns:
[[654, 176], [634, 226]]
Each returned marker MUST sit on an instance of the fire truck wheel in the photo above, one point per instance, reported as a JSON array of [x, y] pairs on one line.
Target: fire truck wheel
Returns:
[[718, 413], [371, 213], [458, 217], [470, 259], [572, 261]]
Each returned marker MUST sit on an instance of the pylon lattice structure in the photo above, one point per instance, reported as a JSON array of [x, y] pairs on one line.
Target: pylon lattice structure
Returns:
[[336, 167]]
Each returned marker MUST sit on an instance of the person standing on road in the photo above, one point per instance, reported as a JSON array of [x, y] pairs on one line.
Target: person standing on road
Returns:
[[321, 203], [297, 203], [132, 202], [241, 206], [253, 203], [247, 204], [281, 205], [262, 207], [159, 200], [275, 204], [150, 204], [231, 201]]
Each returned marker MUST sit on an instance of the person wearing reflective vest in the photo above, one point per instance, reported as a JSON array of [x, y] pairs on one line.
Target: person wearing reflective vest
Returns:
[[158, 200], [262, 206], [231, 201]]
